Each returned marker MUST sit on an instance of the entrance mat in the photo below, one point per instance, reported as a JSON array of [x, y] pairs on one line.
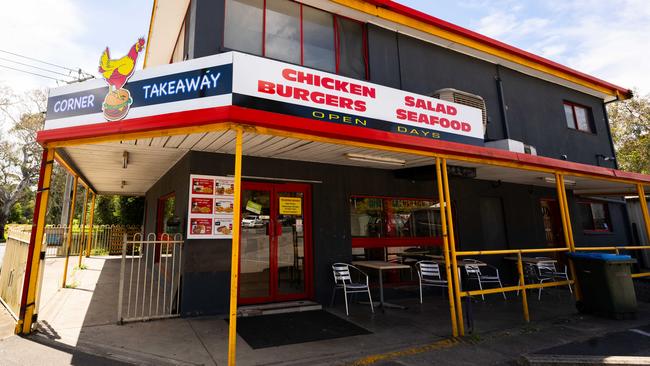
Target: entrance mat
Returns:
[[291, 328]]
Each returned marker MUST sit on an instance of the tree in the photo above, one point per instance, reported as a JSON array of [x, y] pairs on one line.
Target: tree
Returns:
[[20, 154], [630, 121]]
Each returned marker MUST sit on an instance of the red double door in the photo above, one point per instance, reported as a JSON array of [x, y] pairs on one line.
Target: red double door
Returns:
[[275, 247]]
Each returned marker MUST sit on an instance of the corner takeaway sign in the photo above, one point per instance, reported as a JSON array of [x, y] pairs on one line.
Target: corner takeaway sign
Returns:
[[238, 79], [278, 87]]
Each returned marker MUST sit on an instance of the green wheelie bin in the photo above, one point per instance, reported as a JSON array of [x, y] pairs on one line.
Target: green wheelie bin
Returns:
[[605, 283]]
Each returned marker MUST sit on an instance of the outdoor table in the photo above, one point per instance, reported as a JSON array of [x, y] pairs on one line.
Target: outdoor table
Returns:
[[381, 266]]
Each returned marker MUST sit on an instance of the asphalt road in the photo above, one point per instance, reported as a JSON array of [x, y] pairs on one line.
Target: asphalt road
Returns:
[[631, 342]]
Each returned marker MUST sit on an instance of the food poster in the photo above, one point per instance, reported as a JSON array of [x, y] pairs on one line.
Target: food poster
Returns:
[[201, 227], [211, 207]]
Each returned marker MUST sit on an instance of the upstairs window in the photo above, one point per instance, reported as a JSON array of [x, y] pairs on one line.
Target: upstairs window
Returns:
[[595, 216], [578, 117], [288, 31]]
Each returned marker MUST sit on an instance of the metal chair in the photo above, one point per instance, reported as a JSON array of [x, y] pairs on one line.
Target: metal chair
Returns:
[[343, 280], [429, 275], [547, 271], [473, 272]]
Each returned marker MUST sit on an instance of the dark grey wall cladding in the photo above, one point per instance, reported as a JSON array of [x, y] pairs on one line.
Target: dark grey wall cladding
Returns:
[[536, 116], [206, 263], [209, 20]]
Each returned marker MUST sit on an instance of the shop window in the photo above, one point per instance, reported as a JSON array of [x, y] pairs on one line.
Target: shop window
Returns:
[[394, 222], [318, 39], [288, 31], [282, 33], [244, 25], [578, 117], [594, 216]]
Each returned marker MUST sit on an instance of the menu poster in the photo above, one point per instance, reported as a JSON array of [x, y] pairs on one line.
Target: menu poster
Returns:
[[211, 206], [202, 227], [201, 205]]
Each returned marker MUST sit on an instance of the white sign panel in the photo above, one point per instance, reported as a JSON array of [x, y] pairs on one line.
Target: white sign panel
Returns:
[[210, 207], [332, 98]]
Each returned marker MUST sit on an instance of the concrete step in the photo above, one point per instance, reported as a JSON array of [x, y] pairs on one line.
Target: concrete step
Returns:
[[277, 308], [557, 360]]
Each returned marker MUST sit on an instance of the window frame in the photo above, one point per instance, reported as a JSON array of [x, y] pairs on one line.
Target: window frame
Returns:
[[364, 33], [576, 125], [608, 217], [383, 242]]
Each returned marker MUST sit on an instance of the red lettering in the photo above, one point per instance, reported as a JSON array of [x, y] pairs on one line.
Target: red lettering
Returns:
[[444, 122], [284, 90], [289, 74], [409, 101], [423, 119], [369, 92], [466, 127], [341, 86], [455, 125], [302, 94], [345, 103], [360, 106], [401, 114], [327, 83], [451, 110], [318, 97], [265, 87], [332, 100]]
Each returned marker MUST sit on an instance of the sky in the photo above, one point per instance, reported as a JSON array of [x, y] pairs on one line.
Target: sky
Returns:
[[606, 39]]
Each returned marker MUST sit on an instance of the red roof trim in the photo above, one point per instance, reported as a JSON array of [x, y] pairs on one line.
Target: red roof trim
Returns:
[[426, 18]]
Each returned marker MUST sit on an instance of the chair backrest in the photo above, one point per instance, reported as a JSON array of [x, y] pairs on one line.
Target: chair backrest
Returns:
[[472, 269], [546, 267], [341, 273], [428, 269]]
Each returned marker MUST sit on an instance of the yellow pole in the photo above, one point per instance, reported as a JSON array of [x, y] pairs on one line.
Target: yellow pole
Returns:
[[568, 230], [68, 240], [83, 227], [445, 240], [30, 284], [92, 221], [452, 246], [524, 295], [644, 210], [234, 265]]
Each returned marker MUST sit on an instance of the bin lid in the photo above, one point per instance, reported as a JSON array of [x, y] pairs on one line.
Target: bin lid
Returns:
[[608, 257]]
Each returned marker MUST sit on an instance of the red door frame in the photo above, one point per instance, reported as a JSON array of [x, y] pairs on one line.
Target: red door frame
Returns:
[[274, 226]]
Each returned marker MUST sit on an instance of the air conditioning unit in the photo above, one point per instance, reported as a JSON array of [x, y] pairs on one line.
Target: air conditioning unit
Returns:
[[464, 98], [512, 145]]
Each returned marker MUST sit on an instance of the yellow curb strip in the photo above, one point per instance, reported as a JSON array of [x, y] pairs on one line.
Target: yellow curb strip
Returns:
[[442, 344]]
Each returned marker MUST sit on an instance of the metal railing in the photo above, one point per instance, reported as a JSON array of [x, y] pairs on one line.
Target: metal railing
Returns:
[[150, 276]]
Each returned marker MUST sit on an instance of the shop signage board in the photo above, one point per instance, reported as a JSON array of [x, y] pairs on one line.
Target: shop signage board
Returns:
[[195, 84], [211, 206], [243, 80], [279, 87], [291, 206]]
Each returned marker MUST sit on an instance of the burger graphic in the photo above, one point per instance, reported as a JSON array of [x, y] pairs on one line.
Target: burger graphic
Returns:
[[116, 104]]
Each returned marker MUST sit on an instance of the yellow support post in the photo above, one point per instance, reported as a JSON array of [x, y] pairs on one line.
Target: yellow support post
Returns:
[[524, 295], [644, 209], [445, 239], [452, 247], [68, 241], [92, 221], [234, 266], [568, 230], [30, 284], [83, 227]]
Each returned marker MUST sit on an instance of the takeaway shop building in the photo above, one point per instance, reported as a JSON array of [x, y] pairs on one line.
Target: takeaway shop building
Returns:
[[341, 111]]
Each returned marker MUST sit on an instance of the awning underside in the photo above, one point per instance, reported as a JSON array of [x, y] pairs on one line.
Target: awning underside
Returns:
[[102, 164]]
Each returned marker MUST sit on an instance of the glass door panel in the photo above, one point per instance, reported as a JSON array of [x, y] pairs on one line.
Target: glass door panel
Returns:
[[291, 243], [255, 247]]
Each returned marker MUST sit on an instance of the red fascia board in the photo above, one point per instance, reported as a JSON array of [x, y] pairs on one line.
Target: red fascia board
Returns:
[[426, 18], [323, 129]]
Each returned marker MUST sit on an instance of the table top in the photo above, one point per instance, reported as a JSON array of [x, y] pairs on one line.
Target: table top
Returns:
[[531, 259], [380, 265]]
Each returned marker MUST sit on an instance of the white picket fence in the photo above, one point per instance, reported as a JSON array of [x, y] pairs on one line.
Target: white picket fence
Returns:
[[150, 276]]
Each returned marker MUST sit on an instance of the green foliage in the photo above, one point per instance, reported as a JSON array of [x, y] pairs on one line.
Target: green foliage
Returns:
[[98, 252], [630, 121]]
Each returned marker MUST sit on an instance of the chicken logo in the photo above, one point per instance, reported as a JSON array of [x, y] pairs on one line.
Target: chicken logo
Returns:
[[116, 72]]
